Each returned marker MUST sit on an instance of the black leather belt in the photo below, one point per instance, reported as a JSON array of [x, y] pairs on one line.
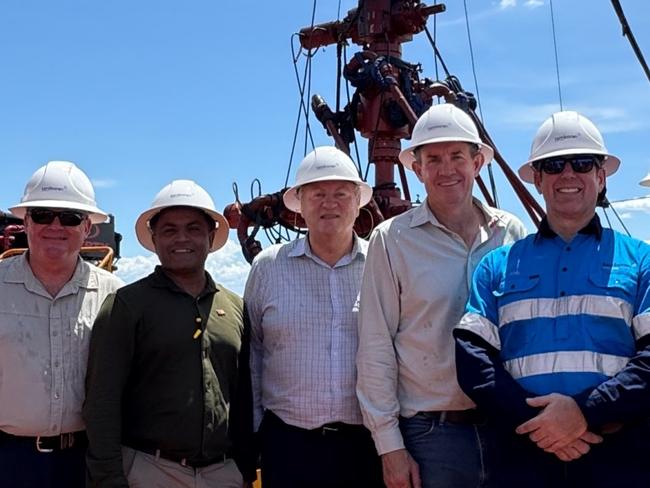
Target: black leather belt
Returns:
[[333, 428], [183, 461], [471, 416], [51, 443]]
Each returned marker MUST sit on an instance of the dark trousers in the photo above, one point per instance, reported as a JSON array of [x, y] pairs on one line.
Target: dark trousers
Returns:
[[22, 466], [620, 461], [332, 456]]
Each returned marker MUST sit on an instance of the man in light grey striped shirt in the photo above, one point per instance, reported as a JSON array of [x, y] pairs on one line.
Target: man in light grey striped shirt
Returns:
[[302, 302]]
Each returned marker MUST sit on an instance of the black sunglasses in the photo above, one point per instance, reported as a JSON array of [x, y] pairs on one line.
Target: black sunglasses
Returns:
[[68, 218], [579, 164]]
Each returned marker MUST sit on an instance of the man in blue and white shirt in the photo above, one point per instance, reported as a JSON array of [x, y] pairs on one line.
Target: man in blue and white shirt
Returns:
[[555, 344]]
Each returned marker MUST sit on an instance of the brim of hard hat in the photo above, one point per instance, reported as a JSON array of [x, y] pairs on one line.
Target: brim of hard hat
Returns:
[[292, 200], [527, 173], [143, 232], [407, 156], [95, 215]]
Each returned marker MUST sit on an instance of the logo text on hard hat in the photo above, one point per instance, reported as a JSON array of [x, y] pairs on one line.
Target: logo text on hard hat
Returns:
[[438, 126], [323, 166], [564, 137], [53, 188], [176, 195]]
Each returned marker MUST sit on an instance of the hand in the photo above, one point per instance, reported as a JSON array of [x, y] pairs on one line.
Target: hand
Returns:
[[400, 470], [247, 484], [559, 424], [577, 448]]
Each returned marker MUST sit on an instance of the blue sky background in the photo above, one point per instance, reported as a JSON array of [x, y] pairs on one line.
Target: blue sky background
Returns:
[[138, 93]]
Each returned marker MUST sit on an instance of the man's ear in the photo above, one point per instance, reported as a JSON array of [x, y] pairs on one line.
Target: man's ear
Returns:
[[417, 169], [479, 159], [602, 179], [537, 175], [87, 225]]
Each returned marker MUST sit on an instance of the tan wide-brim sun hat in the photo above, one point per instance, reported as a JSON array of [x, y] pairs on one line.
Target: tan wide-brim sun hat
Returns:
[[181, 193]]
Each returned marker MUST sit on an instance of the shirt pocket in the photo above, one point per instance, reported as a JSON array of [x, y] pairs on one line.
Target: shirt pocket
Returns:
[[517, 302], [79, 337], [615, 280]]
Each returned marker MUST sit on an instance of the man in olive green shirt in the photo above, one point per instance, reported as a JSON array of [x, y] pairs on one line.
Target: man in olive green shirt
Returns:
[[168, 388]]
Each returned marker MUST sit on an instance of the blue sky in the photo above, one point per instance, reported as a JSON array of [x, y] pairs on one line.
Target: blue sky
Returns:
[[138, 93]]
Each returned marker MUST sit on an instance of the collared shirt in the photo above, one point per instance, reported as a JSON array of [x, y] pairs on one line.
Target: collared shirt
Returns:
[[564, 316], [303, 316], [414, 290], [165, 373], [44, 346], [546, 316]]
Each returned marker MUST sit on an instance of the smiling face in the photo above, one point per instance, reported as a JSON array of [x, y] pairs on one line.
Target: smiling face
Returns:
[[55, 244], [570, 196], [182, 238], [329, 208], [447, 170]]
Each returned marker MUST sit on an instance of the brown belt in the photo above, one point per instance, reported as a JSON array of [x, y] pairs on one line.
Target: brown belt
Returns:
[[50, 443], [471, 416]]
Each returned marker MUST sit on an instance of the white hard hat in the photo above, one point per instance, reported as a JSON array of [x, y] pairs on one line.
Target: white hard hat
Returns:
[[645, 181], [325, 163], [566, 133], [444, 123], [181, 193], [60, 184]]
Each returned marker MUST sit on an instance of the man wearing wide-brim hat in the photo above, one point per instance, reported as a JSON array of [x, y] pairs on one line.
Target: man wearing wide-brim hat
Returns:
[[168, 389], [49, 297], [555, 344], [302, 301]]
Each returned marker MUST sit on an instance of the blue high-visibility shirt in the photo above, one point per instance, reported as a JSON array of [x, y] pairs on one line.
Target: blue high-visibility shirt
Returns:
[[564, 317]]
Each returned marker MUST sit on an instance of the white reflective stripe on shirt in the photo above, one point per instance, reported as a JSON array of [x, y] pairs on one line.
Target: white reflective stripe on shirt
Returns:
[[641, 325], [565, 362], [482, 327], [599, 305]]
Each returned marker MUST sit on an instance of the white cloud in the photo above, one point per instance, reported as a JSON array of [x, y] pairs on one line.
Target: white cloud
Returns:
[[534, 3], [503, 4], [106, 183], [641, 204], [227, 266], [612, 119]]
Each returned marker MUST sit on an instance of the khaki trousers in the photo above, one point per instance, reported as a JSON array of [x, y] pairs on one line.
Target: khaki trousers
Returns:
[[143, 470]]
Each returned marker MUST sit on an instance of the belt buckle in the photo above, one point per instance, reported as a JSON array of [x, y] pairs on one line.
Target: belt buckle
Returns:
[[39, 448], [325, 429]]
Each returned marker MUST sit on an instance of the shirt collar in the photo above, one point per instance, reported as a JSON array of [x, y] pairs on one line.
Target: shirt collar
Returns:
[[21, 272], [301, 247], [423, 214], [593, 228], [160, 279]]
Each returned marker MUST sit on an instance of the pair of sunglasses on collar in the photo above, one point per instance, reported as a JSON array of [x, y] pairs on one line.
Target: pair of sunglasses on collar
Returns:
[[579, 164], [67, 218]]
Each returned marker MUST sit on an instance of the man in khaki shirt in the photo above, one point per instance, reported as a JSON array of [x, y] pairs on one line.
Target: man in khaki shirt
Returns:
[[50, 297], [415, 285]]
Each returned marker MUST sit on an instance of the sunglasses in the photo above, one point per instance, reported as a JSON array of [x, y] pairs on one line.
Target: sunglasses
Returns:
[[68, 218], [579, 164]]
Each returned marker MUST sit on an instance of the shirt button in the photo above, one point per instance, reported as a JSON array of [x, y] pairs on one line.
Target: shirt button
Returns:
[[56, 395], [562, 293], [564, 269], [56, 364], [568, 248], [55, 333]]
